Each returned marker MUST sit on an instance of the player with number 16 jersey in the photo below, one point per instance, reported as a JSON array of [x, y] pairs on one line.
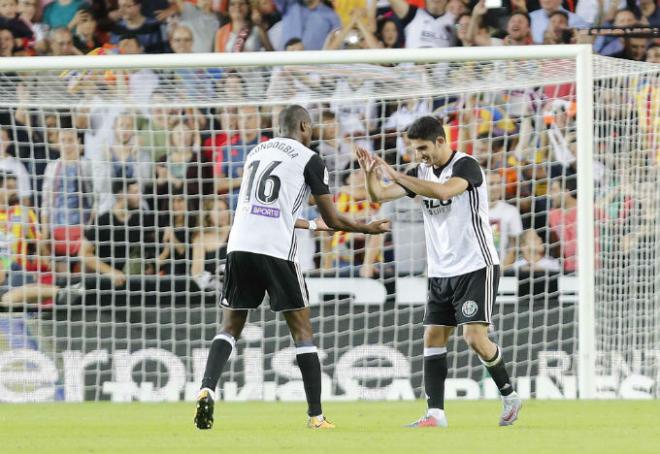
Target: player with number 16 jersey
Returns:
[[262, 253]]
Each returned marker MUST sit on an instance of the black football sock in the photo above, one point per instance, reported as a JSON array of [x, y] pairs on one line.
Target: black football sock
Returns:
[[497, 370], [221, 348], [435, 373], [310, 367]]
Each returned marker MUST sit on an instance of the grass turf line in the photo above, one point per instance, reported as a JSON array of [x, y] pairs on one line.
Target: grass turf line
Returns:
[[557, 427]]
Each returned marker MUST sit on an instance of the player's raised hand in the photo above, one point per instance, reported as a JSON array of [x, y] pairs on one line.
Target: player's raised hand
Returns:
[[365, 160], [388, 171], [377, 227]]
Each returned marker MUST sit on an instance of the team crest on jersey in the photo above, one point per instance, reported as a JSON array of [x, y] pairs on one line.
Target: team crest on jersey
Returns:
[[469, 308]]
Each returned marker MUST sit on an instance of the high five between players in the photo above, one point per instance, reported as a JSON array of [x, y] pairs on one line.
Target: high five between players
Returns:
[[463, 266]]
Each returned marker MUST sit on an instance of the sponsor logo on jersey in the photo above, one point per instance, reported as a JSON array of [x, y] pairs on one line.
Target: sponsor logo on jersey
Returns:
[[326, 176], [469, 308], [268, 212], [434, 206]]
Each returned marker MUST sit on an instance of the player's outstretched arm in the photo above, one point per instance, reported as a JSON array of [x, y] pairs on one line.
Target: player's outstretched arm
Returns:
[[317, 224], [378, 192], [336, 221], [441, 191]]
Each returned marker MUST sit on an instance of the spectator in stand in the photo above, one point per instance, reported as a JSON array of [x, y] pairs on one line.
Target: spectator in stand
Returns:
[[125, 157], [389, 35], [596, 12], [541, 18], [505, 220], [6, 42], [650, 12], [653, 54], [149, 32], [86, 37], [245, 32], [310, 20], [201, 20], [234, 155], [11, 165], [558, 31], [328, 148], [154, 129], [609, 45], [356, 118], [28, 14], [183, 169], [294, 83], [68, 197], [197, 83], [210, 245], [429, 27], [532, 255], [471, 30], [107, 245], [562, 221], [399, 120], [633, 49], [24, 275], [177, 236], [11, 19], [355, 35], [61, 43], [519, 32], [348, 9], [457, 7], [182, 40], [353, 254], [62, 13]]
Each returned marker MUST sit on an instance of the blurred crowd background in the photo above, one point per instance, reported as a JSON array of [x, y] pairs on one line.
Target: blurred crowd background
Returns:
[[134, 184]]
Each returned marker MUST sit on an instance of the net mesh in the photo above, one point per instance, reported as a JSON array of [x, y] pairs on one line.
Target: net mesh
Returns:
[[119, 187]]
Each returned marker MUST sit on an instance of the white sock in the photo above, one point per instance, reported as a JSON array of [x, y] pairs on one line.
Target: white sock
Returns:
[[318, 416], [436, 413]]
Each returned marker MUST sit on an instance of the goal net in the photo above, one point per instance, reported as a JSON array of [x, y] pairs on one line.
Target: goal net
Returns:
[[119, 185]]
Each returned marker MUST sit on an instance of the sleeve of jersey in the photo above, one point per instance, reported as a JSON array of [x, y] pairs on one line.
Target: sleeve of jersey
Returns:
[[316, 176], [469, 170], [412, 172]]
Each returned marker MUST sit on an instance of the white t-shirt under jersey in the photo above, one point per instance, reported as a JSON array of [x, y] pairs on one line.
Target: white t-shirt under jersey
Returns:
[[458, 235], [278, 177]]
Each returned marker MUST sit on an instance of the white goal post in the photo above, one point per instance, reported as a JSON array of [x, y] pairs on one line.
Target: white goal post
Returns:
[[577, 66]]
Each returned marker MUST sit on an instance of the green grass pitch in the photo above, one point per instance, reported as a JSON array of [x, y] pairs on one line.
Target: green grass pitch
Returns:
[[557, 427]]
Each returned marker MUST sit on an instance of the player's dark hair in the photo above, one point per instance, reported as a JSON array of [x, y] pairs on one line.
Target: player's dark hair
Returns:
[[426, 128], [292, 42], [291, 118]]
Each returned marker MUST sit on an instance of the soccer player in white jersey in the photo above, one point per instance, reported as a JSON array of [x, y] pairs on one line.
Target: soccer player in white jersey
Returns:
[[262, 254], [463, 267]]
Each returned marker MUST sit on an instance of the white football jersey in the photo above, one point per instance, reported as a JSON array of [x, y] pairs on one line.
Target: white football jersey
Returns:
[[278, 177], [458, 235], [424, 30]]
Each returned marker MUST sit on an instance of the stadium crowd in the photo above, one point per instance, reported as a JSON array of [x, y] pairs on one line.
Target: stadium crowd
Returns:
[[124, 192]]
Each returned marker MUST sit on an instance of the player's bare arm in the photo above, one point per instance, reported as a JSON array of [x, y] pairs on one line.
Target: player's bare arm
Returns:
[[377, 190], [317, 224], [441, 191], [336, 221]]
